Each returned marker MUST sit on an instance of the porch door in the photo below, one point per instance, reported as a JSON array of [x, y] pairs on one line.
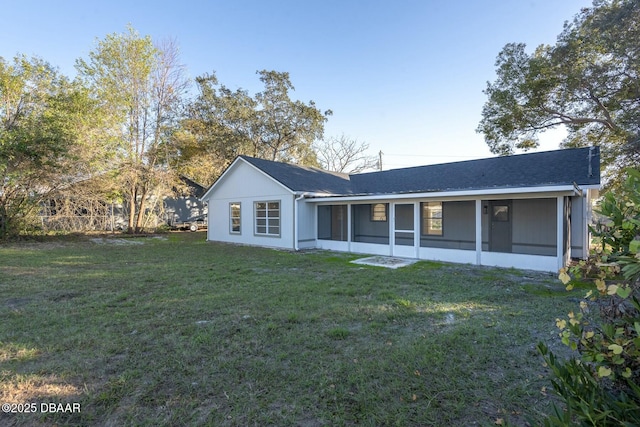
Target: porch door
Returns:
[[403, 243], [500, 232]]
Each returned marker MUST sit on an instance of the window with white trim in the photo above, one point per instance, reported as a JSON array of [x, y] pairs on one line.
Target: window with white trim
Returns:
[[234, 217], [267, 218], [379, 212], [432, 218]]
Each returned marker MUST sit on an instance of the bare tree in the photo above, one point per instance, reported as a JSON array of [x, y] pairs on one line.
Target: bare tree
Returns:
[[139, 85], [343, 154]]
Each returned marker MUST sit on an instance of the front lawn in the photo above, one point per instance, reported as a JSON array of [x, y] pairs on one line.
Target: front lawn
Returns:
[[177, 331]]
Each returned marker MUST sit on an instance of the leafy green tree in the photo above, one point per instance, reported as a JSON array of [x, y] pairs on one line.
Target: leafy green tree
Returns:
[[40, 112], [286, 129], [588, 83], [139, 87], [222, 123]]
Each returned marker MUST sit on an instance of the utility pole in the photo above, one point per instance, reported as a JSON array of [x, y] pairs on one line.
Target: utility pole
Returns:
[[380, 153]]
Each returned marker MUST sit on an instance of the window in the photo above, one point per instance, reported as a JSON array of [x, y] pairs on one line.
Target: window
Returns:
[[501, 213], [379, 212], [234, 217], [267, 218], [432, 218]]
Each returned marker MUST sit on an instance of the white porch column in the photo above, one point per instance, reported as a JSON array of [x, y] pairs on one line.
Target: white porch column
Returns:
[[416, 228], [560, 231], [349, 233], [478, 232], [392, 227]]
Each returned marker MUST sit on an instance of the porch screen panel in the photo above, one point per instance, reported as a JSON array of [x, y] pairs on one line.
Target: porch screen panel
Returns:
[[534, 226], [457, 227], [324, 222], [365, 229], [332, 222]]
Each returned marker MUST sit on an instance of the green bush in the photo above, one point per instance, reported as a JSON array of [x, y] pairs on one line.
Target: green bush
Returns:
[[600, 387]]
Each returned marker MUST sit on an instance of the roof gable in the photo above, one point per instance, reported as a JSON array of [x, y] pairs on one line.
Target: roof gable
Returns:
[[229, 171], [303, 178]]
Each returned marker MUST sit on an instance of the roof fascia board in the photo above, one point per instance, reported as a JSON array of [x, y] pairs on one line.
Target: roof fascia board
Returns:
[[512, 193]]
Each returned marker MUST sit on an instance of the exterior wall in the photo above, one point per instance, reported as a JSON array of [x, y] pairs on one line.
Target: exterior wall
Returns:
[[246, 185], [529, 262], [306, 225], [581, 218], [579, 246], [370, 248], [448, 255], [334, 245]]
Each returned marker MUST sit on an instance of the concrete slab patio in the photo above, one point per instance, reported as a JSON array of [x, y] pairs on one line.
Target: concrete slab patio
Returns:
[[385, 261]]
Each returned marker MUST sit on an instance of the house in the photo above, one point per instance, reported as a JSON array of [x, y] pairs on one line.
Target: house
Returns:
[[528, 211], [184, 209]]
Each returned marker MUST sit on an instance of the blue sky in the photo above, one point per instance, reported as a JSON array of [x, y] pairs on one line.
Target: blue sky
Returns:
[[404, 76]]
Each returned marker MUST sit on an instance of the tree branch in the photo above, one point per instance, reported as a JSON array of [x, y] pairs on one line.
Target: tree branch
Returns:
[[567, 119]]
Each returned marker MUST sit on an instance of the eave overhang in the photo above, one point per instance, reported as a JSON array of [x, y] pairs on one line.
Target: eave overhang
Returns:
[[517, 192]]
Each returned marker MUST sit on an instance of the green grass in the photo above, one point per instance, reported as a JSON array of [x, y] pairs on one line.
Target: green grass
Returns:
[[184, 332]]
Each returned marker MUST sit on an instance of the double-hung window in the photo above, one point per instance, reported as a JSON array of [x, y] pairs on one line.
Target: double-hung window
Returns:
[[234, 217], [432, 218], [379, 212], [267, 218]]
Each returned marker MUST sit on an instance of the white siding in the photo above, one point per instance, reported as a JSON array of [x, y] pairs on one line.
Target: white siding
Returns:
[[579, 230], [307, 225], [246, 185]]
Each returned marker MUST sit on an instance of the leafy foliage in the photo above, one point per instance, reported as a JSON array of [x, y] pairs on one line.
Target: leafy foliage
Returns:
[[38, 112], [221, 124], [602, 386], [139, 86], [588, 82]]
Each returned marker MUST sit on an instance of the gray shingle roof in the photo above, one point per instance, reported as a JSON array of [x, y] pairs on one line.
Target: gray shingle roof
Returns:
[[549, 168], [303, 178]]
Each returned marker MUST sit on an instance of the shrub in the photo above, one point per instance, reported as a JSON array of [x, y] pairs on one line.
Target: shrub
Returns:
[[601, 386]]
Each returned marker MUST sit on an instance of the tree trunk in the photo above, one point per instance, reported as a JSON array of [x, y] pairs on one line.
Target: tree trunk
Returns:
[[132, 210], [141, 208]]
